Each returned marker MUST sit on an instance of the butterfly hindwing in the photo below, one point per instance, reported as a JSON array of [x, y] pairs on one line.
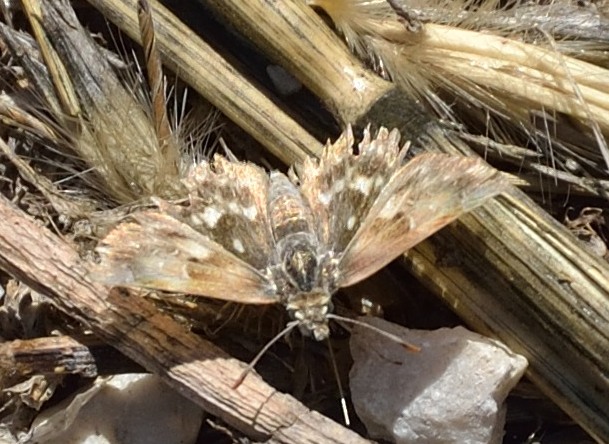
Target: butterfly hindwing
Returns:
[[229, 204]]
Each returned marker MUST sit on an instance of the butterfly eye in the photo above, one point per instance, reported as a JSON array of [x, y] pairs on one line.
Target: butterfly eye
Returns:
[[301, 266]]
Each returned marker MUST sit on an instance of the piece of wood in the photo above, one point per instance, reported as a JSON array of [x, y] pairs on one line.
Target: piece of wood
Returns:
[[288, 30], [62, 355], [189, 364]]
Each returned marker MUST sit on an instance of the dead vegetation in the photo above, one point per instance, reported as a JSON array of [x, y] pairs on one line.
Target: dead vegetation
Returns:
[[83, 143]]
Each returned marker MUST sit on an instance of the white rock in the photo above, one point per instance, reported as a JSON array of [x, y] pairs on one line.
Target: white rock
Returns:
[[123, 409], [452, 391]]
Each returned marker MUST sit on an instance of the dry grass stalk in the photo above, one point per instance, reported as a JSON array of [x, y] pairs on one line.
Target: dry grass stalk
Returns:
[[503, 74], [213, 77], [96, 117]]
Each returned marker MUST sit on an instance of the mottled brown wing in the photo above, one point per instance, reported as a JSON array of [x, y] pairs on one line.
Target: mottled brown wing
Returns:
[[158, 251], [229, 205], [342, 185], [421, 197]]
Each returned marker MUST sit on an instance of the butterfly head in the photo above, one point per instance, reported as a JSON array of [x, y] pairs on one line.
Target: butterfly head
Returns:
[[311, 310]]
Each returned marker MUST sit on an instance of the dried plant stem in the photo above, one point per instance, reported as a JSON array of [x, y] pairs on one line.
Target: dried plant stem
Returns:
[[13, 115], [62, 203], [59, 75], [154, 68], [528, 71], [107, 127], [516, 52], [537, 291], [62, 355], [191, 365], [346, 87], [211, 75]]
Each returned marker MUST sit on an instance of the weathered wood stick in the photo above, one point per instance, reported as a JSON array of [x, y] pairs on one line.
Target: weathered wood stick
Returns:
[[62, 355], [291, 33], [133, 325]]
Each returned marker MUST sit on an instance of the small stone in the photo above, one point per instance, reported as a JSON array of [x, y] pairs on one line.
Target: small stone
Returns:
[[122, 409], [285, 83], [452, 391]]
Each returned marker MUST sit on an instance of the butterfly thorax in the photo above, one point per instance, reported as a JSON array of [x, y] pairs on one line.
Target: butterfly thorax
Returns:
[[300, 261], [304, 287]]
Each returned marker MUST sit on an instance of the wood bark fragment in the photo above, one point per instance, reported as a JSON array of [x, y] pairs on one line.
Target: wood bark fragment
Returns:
[[191, 365], [62, 355]]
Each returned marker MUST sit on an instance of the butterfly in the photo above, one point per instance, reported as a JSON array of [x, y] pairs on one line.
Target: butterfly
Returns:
[[256, 238]]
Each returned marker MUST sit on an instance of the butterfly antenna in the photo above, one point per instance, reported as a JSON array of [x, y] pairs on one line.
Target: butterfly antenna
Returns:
[[343, 401], [395, 338], [288, 328]]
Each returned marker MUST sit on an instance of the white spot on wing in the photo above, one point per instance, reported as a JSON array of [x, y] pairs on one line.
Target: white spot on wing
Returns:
[[351, 223], [238, 246], [324, 198], [211, 216], [250, 212], [234, 207], [200, 252], [362, 184]]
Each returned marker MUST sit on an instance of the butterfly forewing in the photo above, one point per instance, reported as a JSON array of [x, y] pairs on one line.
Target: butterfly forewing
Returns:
[[421, 197], [158, 251], [342, 185]]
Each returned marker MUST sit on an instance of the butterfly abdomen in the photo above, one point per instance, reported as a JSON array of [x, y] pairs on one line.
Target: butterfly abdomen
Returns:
[[288, 211]]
